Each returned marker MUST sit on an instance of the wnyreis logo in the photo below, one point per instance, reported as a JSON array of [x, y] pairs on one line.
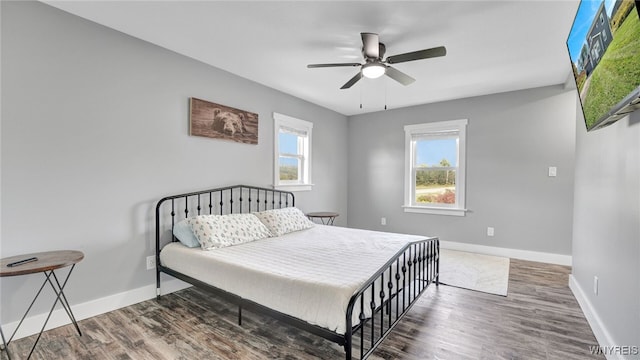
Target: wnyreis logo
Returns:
[[614, 350]]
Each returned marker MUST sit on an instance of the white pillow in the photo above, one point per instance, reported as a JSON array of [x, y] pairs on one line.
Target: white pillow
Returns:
[[285, 220], [218, 231]]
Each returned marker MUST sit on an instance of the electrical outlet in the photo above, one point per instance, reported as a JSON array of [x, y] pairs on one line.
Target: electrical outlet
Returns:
[[383, 221], [490, 231], [595, 285], [553, 171], [151, 262]]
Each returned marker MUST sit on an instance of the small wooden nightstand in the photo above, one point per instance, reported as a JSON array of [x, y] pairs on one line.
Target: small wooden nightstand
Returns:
[[46, 263], [326, 217]]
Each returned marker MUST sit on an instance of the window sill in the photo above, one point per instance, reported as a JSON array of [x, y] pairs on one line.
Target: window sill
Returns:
[[294, 187], [435, 210]]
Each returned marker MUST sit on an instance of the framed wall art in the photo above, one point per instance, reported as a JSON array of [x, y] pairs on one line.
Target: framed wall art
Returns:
[[222, 122]]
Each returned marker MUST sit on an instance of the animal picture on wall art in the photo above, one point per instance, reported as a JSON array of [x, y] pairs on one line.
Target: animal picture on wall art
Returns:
[[222, 122]]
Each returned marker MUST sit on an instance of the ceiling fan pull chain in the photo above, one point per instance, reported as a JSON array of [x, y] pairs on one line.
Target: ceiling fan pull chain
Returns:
[[385, 95]]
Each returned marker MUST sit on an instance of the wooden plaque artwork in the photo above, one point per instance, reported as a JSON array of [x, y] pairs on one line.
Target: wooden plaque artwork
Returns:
[[222, 122]]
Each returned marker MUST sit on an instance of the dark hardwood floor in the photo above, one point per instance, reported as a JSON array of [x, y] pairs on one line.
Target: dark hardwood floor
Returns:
[[539, 319]]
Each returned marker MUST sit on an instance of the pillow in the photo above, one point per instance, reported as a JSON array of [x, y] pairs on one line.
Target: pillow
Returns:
[[218, 231], [182, 231], [285, 220]]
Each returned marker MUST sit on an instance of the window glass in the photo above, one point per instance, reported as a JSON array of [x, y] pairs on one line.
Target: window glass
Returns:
[[435, 170], [292, 170], [290, 157], [434, 178]]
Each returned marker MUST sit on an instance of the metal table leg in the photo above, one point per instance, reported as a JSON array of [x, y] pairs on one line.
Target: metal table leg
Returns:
[[4, 344], [59, 291]]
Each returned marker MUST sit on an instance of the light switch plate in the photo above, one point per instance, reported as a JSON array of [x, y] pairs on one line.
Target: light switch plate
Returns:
[[490, 231]]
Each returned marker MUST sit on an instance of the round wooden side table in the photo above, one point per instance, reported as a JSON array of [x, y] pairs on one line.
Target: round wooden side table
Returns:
[[326, 217], [46, 263]]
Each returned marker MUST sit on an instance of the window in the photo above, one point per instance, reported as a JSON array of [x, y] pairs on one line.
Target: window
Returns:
[[292, 155], [435, 168]]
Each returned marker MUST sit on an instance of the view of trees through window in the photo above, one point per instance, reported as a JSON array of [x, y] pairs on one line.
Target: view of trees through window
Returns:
[[289, 159], [435, 170], [288, 169], [436, 184]]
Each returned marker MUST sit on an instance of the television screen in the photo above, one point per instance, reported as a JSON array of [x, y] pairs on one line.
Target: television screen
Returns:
[[604, 46]]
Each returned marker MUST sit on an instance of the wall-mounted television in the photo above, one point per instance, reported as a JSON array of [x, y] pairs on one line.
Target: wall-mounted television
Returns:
[[604, 47]]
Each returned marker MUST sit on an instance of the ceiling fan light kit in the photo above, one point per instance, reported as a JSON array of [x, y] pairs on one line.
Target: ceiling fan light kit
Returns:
[[373, 70], [374, 67]]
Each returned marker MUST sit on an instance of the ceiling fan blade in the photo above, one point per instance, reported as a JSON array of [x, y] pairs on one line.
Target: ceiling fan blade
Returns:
[[370, 45], [332, 65], [399, 76], [352, 81], [417, 55]]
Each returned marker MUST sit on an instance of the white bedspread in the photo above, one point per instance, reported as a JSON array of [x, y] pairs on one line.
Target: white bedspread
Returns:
[[309, 274]]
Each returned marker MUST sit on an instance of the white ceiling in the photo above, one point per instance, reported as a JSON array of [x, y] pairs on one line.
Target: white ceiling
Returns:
[[492, 46]]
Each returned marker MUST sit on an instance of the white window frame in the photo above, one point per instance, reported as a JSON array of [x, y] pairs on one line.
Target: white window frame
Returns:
[[289, 123], [414, 131]]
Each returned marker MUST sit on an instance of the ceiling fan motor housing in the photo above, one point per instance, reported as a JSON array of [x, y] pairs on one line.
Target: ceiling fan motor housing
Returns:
[[381, 51]]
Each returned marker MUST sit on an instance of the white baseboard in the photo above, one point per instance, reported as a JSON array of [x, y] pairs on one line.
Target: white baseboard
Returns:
[[597, 326], [33, 324], [510, 253]]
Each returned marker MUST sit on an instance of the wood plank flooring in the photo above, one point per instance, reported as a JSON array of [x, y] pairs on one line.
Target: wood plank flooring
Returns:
[[539, 319]]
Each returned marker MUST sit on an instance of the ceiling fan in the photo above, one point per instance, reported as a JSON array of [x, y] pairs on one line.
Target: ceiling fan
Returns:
[[373, 51]]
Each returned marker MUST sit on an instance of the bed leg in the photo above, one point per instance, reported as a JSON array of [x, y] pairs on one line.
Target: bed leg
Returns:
[[348, 345], [240, 315], [157, 284]]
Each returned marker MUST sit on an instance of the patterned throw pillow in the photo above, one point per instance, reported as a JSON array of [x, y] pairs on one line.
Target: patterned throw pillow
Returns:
[[218, 231], [285, 220]]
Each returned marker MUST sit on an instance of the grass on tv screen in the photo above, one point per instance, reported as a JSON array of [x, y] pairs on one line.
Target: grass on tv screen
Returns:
[[604, 46]]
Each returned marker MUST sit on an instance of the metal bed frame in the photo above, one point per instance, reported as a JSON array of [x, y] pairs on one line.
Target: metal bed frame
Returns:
[[388, 294]]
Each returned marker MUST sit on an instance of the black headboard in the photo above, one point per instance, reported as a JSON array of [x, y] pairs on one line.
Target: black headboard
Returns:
[[234, 199]]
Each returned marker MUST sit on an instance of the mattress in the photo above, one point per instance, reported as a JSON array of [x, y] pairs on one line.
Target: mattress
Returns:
[[310, 274]]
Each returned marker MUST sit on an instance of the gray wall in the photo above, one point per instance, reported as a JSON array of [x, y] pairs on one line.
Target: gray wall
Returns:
[[512, 139], [95, 131], [606, 226]]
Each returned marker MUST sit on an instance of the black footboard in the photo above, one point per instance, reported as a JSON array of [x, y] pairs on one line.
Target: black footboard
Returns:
[[374, 309], [388, 295]]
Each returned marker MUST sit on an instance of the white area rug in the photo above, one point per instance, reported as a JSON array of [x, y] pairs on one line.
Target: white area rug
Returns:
[[478, 272]]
